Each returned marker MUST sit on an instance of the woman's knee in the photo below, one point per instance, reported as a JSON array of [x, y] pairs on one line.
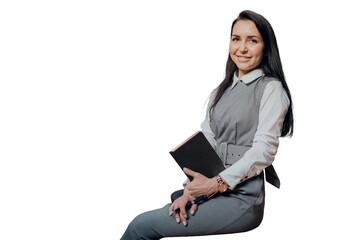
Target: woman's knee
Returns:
[[139, 228], [134, 228], [148, 225]]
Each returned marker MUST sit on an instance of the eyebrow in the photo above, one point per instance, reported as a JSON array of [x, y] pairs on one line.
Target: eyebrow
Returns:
[[250, 36]]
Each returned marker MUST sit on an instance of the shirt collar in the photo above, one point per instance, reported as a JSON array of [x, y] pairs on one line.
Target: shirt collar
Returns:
[[248, 78]]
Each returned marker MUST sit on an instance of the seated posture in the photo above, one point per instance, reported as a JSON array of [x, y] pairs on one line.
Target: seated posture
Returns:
[[246, 115]]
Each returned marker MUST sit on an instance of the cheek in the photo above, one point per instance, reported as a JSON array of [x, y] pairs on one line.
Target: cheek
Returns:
[[232, 48], [259, 52], [258, 59], [256, 51]]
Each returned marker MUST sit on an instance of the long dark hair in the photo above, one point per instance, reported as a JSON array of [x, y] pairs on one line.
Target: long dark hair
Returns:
[[270, 64]]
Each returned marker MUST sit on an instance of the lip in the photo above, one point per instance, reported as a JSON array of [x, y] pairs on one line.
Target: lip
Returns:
[[243, 58]]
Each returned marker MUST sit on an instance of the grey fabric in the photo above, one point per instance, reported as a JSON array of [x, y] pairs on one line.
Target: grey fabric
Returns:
[[237, 211], [234, 123], [230, 154], [235, 118]]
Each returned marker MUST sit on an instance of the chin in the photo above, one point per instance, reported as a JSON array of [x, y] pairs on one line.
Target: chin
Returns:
[[244, 69]]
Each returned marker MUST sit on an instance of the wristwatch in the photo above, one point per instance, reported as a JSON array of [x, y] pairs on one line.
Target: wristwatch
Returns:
[[222, 186]]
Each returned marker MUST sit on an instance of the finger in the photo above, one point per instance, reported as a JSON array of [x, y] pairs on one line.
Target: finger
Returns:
[[190, 172], [171, 210], [183, 215], [193, 209], [177, 217]]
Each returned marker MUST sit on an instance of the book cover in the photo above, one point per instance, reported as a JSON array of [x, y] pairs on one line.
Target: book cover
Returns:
[[197, 154]]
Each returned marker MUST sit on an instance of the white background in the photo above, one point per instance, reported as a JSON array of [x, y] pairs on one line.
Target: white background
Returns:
[[94, 94]]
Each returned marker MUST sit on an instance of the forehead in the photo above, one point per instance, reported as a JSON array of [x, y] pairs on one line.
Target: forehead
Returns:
[[246, 28]]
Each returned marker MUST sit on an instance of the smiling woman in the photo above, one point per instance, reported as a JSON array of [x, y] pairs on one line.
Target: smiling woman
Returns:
[[246, 115], [246, 46]]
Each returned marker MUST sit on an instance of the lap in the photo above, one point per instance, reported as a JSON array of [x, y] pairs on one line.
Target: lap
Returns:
[[222, 214], [237, 211]]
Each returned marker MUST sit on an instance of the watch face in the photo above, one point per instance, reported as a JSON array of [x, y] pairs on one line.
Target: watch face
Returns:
[[222, 188]]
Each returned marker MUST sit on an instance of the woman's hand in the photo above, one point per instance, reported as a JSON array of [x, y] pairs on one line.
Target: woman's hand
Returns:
[[200, 185], [180, 203]]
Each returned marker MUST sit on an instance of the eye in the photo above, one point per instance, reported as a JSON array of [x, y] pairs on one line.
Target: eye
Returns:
[[235, 39], [253, 41]]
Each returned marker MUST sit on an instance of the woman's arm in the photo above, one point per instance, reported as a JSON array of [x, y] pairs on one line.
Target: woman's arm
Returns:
[[205, 125], [273, 108]]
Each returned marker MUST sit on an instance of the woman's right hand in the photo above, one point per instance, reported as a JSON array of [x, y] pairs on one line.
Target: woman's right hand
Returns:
[[180, 203]]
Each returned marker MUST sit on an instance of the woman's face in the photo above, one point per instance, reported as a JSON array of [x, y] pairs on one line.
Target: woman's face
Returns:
[[246, 46]]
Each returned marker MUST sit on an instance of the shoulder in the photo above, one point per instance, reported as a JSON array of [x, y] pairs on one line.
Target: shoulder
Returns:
[[272, 83], [274, 89], [267, 79], [212, 95]]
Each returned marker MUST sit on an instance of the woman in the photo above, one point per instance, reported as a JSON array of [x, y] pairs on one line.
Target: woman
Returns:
[[246, 115]]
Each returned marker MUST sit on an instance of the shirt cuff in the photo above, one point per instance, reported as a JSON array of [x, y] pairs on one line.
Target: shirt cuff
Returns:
[[229, 180]]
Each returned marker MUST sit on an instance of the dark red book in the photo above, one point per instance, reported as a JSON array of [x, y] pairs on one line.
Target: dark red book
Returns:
[[197, 154]]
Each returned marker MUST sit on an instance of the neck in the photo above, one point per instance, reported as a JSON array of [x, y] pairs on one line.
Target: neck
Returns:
[[240, 73]]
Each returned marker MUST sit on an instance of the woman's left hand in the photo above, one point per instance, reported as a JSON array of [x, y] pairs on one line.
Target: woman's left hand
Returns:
[[200, 185]]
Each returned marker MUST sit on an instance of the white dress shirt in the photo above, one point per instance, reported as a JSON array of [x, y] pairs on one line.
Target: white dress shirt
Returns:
[[273, 108]]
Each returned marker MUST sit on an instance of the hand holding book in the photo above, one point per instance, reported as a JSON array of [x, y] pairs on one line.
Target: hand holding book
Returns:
[[200, 185], [201, 164]]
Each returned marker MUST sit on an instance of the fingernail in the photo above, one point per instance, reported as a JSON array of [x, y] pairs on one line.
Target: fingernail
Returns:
[[171, 213], [185, 169], [192, 212], [177, 220], [185, 223], [185, 216]]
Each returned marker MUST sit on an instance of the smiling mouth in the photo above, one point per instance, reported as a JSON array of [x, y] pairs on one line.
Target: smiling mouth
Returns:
[[243, 58]]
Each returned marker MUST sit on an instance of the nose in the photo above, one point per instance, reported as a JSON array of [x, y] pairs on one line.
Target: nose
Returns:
[[242, 47]]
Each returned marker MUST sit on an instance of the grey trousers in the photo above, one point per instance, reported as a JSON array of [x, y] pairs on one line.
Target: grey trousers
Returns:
[[237, 211]]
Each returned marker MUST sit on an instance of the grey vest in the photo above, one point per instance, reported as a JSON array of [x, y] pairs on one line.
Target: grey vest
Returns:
[[234, 122]]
